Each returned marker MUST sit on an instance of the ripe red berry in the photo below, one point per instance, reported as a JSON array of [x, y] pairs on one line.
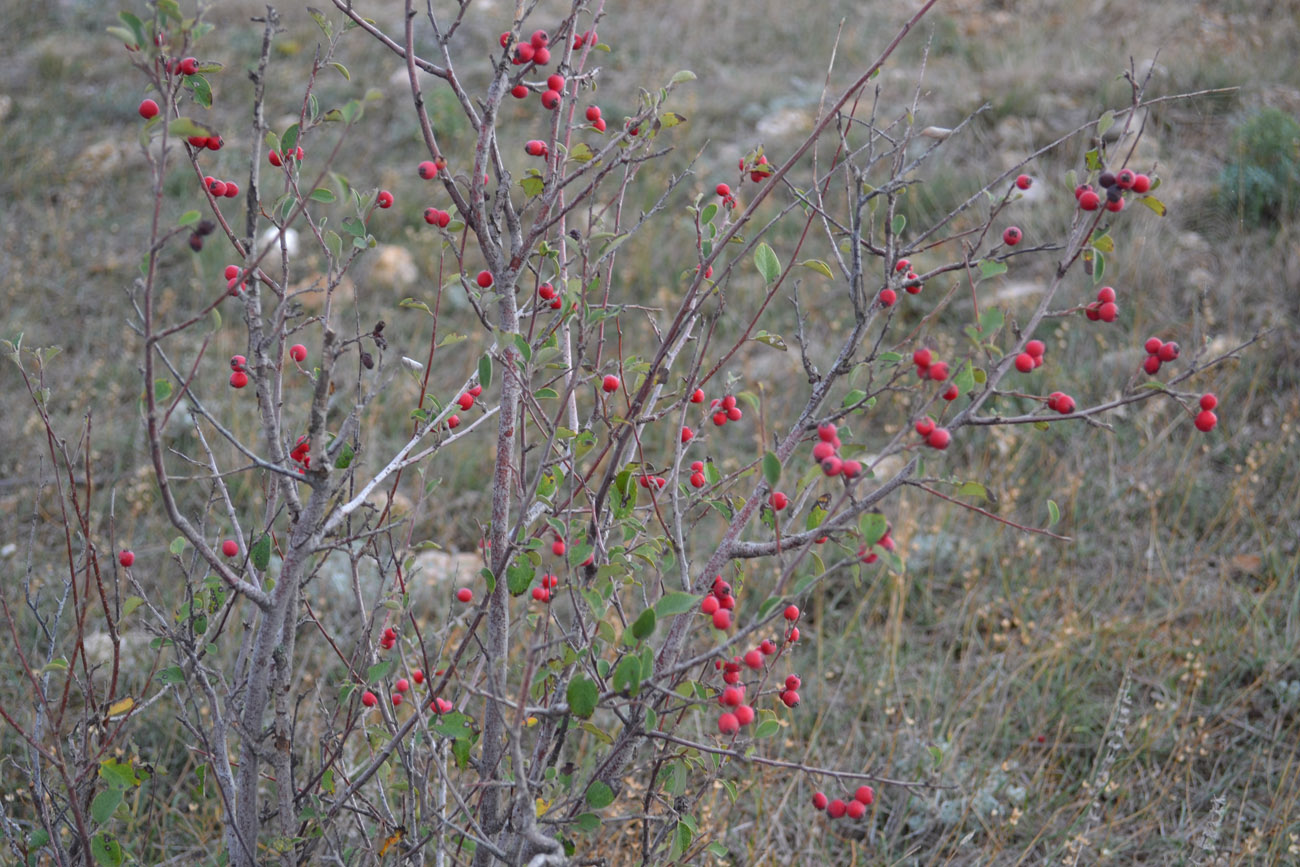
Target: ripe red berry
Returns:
[[1024, 182], [1124, 179], [298, 352], [1064, 403], [709, 605], [856, 809], [922, 357], [939, 438], [1089, 200], [793, 636], [728, 724], [754, 659], [888, 297], [1141, 183], [484, 279], [417, 676], [853, 469], [1108, 312], [1105, 294], [189, 66], [397, 699], [550, 99], [1209, 401], [735, 414], [232, 190], [819, 800], [1114, 205], [792, 613], [464, 594], [938, 371], [230, 547], [722, 619], [1024, 362], [1168, 351], [744, 715], [443, 219], [524, 53], [519, 91], [722, 190], [1206, 420], [609, 383], [731, 697], [465, 401], [1151, 364], [864, 795], [925, 426], [403, 684], [837, 808], [541, 594], [126, 558], [148, 109], [902, 265], [368, 699], [697, 396], [238, 379], [1012, 236], [535, 148], [557, 547], [832, 466], [778, 500], [913, 287], [217, 188], [789, 697], [428, 170], [1153, 345], [440, 705], [431, 216], [539, 39], [792, 682], [453, 421]]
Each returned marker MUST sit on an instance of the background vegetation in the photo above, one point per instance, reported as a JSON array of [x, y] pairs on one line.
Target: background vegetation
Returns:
[[1130, 697]]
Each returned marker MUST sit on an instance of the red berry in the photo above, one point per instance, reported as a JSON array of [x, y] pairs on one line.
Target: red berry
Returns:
[[298, 352], [126, 558], [453, 421], [1064, 404], [593, 113], [232, 190], [1114, 205], [431, 216], [735, 414], [864, 795], [609, 383], [754, 659], [722, 190], [939, 371], [1141, 183], [793, 636], [273, 157], [913, 287], [903, 265], [922, 357], [1024, 182], [856, 809], [148, 109], [1168, 351], [1209, 401], [440, 705], [728, 724], [599, 124], [709, 605], [539, 39], [789, 697], [1151, 364], [697, 480], [1108, 312], [832, 466], [779, 501], [397, 699], [189, 66], [1124, 179], [1089, 200], [465, 401], [428, 170], [722, 619], [550, 99], [368, 699], [819, 800], [697, 396], [1153, 345], [1206, 420], [519, 91], [403, 684], [484, 279], [535, 148], [1024, 362], [524, 53], [464, 594], [744, 715], [1012, 236], [541, 594], [443, 219], [939, 438], [238, 379], [792, 613], [767, 647], [217, 188], [417, 676], [792, 682], [1105, 294], [837, 808], [1093, 311], [230, 547], [888, 297], [925, 426], [731, 697]]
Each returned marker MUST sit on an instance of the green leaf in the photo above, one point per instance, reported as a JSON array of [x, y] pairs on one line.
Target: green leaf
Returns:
[[873, 527], [521, 343], [485, 371], [189, 218], [819, 266], [119, 775], [626, 489], [1092, 159], [532, 185], [989, 268], [101, 809], [599, 795], [1053, 513], [172, 675], [321, 21], [419, 305], [991, 321], [352, 111], [186, 127], [202, 90], [587, 822], [519, 577], [546, 393], [344, 460], [106, 850], [581, 153], [853, 397], [289, 140], [710, 211], [768, 265], [682, 75], [1104, 123], [670, 119], [900, 223], [378, 671], [1155, 205], [1098, 268], [320, 194], [342, 70], [162, 389], [627, 676], [644, 626], [716, 849], [177, 547], [260, 554], [676, 602], [767, 728], [771, 468], [582, 696], [334, 244], [973, 489], [775, 341]]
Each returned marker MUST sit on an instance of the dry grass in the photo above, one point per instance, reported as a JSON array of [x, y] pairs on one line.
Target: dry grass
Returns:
[[991, 668]]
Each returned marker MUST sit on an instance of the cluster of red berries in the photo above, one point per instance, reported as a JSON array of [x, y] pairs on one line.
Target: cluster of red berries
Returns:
[[233, 284], [535, 50], [725, 410], [279, 158], [929, 367], [219, 188], [542, 594], [912, 284], [1206, 419], [204, 142], [466, 400], [436, 217], [1032, 357], [724, 193], [935, 437], [1113, 185], [1060, 402], [301, 452], [239, 376], [697, 474], [186, 66], [757, 167], [1158, 352], [826, 454], [854, 808], [1104, 308], [654, 482], [866, 553], [401, 687], [388, 639], [719, 604]]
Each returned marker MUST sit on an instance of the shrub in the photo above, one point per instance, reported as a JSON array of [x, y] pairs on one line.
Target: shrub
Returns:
[[1261, 183]]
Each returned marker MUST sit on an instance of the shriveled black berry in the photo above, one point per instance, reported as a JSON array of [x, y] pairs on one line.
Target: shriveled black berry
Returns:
[[196, 242], [1114, 194], [1106, 179]]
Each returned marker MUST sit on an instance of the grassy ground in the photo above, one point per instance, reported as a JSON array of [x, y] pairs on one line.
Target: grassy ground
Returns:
[[1129, 697]]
